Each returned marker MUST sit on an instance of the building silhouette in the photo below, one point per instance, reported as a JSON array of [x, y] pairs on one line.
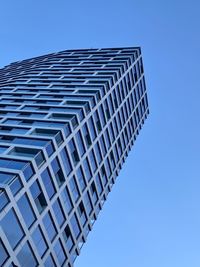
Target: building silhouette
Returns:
[[67, 123]]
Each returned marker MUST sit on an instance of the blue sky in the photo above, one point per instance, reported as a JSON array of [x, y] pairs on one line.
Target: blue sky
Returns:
[[152, 216]]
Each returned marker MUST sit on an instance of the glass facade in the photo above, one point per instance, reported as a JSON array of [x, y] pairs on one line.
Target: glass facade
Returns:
[[67, 123]]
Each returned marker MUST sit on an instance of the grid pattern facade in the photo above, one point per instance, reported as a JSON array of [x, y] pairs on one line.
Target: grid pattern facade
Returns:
[[67, 123]]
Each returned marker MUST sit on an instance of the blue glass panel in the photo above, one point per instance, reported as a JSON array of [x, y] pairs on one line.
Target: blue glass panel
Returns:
[[6, 177], [48, 183], [60, 253], [12, 164], [75, 226], [12, 228], [81, 178], [26, 210], [58, 213], [49, 262], [15, 186], [3, 200], [67, 201], [49, 226], [87, 169], [3, 254], [39, 241], [66, 161], [74, 189], [26, 257]]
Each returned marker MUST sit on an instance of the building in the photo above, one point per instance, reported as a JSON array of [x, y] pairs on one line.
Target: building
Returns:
[[67, 123]]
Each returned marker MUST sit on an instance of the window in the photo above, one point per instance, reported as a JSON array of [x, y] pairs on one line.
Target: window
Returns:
[[12, 228], [48, 183], [115, 99], [98, 153], [58, 212], [92, 129], [48, 132], [74, 189], [38, 196], [15, 185], [87, 169], [58, 172], [112, 160], [49, 226], [99, 185], [86, 135], [5, 178], [107, 138], [26, 210], [12, 164], [67, 200], [81, 178], [26, 256], [49, 262], [50, 149], [103, 175], [75, 225], [39, 241], [80, 143], [3, 149], [107, 110], [97, 121], [60, 253], [3, 254], [3, 199], [68, 238], [74, 153], [30, 153], [107, 166], [93, 192], [93, 161], [66, 161], [82, 213], [112, 137], [87, 203], [102, 116], [28, 172], [102, 143]]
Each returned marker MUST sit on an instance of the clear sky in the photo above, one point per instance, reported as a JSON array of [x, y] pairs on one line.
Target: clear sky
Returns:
[[152, 216]]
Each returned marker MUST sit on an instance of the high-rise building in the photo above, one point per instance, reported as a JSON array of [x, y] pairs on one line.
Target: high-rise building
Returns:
[[67, 123]]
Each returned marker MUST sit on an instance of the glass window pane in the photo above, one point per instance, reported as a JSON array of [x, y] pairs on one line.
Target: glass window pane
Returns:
[[73, 151], [80, 143], [39, 241], [26, 257], [49, 226], [49, 262], [58, 172], [92, 129], [58, 212], [75, 226], [68, 238], [60, 253], [81, 178], [16, 185], [67, 200], [38, 196], [74, 189], [66, 161], [3, 200], [48, 183], [26, 210], [12, 228], [3, 254], [87, 203], [87, 169]]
